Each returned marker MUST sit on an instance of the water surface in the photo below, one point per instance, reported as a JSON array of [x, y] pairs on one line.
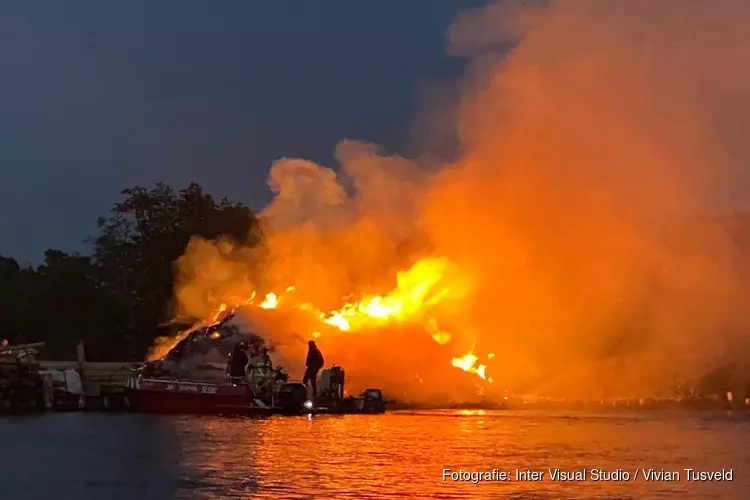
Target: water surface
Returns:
[[397, 455]]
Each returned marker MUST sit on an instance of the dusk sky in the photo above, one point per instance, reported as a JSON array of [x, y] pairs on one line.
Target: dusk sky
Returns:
[[97, 98]]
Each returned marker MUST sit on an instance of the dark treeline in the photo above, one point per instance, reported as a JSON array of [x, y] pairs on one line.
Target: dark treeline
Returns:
[[116, 299]]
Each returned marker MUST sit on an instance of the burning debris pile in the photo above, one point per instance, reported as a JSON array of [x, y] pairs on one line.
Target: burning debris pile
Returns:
[[551, 256], [204, 350]]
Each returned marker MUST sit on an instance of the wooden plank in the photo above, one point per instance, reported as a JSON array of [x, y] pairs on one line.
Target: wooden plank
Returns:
[[19, 347], [103, 374]]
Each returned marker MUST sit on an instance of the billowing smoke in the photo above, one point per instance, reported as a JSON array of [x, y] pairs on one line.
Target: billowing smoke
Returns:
[[569, 224]]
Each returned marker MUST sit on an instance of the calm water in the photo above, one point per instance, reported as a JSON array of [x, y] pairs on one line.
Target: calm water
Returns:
[[101, 456]]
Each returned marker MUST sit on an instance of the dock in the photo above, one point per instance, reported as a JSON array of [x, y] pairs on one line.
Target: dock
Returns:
[[102, 384], [105, 377]]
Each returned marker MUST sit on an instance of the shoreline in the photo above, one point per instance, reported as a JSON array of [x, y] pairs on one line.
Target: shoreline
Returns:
[[110, 377], [622, 405]]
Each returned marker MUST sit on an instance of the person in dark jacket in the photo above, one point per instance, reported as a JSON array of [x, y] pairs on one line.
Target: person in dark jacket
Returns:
[[314, 363], [239, 360]]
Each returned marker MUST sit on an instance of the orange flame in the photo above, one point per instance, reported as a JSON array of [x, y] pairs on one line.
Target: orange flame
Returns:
[[468, 363], [222, 309], [418, 289], [270, 302]]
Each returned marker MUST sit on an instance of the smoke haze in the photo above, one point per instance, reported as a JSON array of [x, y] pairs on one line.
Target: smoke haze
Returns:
[[566, 228]]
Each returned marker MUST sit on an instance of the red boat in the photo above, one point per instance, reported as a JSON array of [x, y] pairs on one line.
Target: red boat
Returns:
[[170, 396], [149, 395]]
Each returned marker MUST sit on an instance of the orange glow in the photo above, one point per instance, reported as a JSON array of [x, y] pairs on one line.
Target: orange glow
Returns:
[[441, 337], [165, 344], [418, 289], [468, 363], [222, 309], [471, 413], [270, 302]]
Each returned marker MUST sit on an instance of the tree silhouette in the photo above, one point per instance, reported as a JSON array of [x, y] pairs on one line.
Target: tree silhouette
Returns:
[[141, 239], [116, 299]]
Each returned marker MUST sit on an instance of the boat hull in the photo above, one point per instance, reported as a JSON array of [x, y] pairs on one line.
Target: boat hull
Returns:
[[179, 397]]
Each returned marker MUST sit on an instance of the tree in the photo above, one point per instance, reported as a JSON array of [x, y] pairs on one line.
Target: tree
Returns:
[[141, 239], [115, 300], [11, 298], [71, 308]]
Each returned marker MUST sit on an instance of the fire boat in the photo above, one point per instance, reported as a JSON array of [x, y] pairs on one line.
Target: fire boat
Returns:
[[193, 378]]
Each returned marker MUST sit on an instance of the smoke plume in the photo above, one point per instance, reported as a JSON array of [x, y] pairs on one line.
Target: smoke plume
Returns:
[[591, 135]]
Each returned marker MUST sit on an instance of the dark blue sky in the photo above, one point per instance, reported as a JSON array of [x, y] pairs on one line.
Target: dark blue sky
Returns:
[[99, 96]]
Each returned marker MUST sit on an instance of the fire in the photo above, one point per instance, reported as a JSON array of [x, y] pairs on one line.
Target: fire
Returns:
[[438, 335], [222, 309], [418, 289], [270, 302], [468, 363]]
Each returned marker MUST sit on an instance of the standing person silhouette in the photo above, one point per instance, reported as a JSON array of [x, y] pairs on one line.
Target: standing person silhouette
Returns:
[[314, 363], [238, 361]]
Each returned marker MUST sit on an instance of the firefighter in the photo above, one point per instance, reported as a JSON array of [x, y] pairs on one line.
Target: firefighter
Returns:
[[239, 361], [313, 363], [256, 360], [260, 368]]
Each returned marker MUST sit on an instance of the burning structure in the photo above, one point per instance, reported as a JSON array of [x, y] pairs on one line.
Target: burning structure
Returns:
[[200, 374], [553, 254], [203, 352]]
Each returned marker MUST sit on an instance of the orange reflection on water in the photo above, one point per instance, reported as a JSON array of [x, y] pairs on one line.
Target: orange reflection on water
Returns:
[[469, 413], [404, 453]]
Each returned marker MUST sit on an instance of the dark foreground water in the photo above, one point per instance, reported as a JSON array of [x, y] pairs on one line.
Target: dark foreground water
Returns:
[[124, 456]]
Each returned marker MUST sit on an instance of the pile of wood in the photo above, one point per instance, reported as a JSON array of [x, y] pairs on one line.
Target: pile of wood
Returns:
[[27, 384]]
